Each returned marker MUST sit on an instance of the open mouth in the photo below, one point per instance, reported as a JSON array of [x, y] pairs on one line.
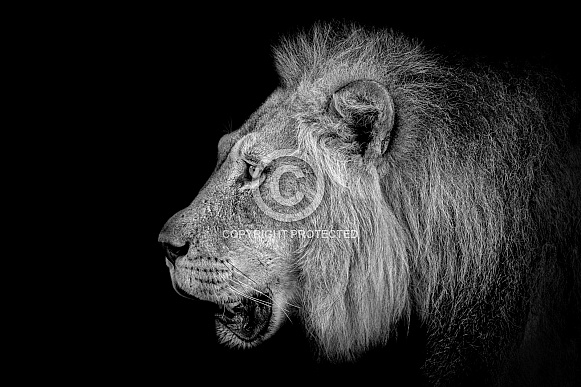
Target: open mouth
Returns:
[[247, 318]]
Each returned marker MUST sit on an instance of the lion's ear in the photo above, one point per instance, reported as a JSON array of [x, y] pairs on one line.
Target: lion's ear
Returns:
[[367, 108]]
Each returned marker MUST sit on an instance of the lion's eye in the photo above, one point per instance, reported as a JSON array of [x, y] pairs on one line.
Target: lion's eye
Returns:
[[252, 171]]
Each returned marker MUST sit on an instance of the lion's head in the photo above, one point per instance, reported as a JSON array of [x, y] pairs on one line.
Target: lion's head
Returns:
[[375, 181]]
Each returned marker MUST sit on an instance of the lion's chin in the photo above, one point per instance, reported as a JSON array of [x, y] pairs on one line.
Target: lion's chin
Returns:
[[244, 323]]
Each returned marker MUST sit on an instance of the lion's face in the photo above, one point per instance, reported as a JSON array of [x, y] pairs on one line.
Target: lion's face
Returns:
[[218, 249], [245, 242]]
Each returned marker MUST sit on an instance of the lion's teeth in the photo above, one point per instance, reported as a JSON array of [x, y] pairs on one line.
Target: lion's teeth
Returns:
[[230, 306]]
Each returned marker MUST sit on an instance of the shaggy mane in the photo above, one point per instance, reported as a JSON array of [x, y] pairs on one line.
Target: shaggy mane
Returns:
[[475, 193]]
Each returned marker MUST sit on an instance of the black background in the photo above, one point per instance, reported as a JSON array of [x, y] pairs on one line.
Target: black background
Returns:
[[163, 85]]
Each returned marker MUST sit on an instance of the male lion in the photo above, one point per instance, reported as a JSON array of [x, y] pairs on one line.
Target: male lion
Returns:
[[380, 181]]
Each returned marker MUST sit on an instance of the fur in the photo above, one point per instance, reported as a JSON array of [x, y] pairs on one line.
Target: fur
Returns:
[[477, 196]]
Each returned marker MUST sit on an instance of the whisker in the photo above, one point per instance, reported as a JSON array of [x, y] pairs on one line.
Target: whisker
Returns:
[[256, 290], [284, 310], [241, 272], [250, 297]]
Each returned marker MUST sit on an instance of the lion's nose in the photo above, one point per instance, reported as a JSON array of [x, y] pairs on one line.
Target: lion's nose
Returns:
[[173, 252]]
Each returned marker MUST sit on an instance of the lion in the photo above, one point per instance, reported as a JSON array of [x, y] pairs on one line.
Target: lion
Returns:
[[382, 180]]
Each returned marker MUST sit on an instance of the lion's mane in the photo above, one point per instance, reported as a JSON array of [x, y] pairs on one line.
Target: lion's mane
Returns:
[[474, 207]]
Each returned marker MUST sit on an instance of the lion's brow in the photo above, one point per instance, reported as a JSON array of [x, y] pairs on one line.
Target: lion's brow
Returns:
[[252, 157], [249, 152]]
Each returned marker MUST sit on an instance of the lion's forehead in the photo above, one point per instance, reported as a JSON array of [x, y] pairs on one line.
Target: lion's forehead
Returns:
[[273, 126]]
